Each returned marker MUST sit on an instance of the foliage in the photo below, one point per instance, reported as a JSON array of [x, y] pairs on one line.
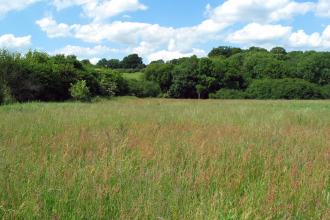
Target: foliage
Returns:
[[326, 91], [224, 51], [143, 88], [160, 73], [108, 85], [132, 61], [2, 92], [283, 89], [79, 91], [39, 76], [228, 94]]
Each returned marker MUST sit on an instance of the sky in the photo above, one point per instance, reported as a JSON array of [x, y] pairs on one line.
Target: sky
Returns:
[[161, 29]]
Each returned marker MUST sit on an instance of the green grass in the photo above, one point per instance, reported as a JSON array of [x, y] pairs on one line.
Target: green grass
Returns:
[[136, 76], [165, 159]]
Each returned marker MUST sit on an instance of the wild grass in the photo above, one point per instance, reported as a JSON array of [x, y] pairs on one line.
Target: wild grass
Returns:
[[165, 159], [135, 76]]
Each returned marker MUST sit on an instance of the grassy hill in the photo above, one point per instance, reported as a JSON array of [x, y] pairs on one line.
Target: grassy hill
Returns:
[[165, 159]]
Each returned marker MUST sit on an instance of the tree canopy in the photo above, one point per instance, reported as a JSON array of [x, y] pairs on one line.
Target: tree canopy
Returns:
[[226, 73]]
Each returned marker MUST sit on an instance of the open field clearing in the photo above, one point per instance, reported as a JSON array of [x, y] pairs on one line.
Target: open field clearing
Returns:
[[165, 159]]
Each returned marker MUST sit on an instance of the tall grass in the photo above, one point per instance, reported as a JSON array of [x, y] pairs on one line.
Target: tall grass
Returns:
[[165, 159]]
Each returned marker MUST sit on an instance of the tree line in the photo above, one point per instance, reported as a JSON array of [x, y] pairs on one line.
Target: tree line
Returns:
[[227, 73]]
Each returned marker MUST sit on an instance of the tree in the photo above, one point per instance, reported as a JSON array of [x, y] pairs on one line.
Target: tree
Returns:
[[132, 61], [224, 51], [257, 49], [185, 78], [144, 88], [200, 89], [284, 89], [279, 52], [79, 91], [2, 95], [108, 85], [160, 73], [86, 62], [102, 63], [157, 62], [228, 94], [114, 64]]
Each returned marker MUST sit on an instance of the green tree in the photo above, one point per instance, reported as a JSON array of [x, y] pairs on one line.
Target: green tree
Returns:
[[185, 78], [224, 51], [284, 89], [279, 52], [108, 85], [102, 63], [143, 88], [200, 90], [114, 64], [228, 94], [160, 73], [79, 91], [132, 61]]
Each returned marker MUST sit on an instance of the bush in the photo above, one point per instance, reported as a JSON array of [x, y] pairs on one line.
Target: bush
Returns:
[[283, 89], [143, 88], [2, 95], [228, 94], [79, 91], [108, 85], [326, 91]]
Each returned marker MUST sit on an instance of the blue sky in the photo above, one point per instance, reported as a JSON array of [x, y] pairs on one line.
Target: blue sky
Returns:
[[93, 29]]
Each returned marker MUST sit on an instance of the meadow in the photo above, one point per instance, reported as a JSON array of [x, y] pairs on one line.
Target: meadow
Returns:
[[130, 158]]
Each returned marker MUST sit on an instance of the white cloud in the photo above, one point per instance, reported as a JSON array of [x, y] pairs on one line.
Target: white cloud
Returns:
[[315, 40], [323, 8], [148, 37], [255, 33], [265, 11], [52, 28], [62, 4], [301, 39], [99, 10], [10, 41], [153, 41], [91, 53], [268, 36], [167, 55], [14, 5]]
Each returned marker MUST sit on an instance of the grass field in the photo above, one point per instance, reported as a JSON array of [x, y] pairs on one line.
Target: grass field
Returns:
[[165, 159], [136, 76]]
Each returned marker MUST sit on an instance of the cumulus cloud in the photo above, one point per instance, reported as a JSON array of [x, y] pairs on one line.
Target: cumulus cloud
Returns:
[[148, 37], [262, 20], [14, 5], [167, 55], [255, 33], [91, 53], [261, 11], [315, 40], [10, 41], [99, 10], [54, 29], [268, 36], [323, 8]]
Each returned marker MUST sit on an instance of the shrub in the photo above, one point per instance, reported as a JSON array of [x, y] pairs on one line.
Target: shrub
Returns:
[[1, 93], [108, 85], [326, 91], [283, 89], [228, 94], [144, 88], [7, 97], [80, 91]]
